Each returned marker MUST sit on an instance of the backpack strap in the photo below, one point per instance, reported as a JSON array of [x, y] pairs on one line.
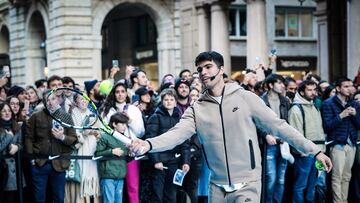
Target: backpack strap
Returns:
[[303, 116]]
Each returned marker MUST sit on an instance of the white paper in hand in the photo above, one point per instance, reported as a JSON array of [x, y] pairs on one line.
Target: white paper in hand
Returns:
[[179, 177]]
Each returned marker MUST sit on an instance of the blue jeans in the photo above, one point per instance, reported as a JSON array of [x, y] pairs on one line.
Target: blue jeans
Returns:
[[40, 178], [305, 179], [275, 174], [112, 190]]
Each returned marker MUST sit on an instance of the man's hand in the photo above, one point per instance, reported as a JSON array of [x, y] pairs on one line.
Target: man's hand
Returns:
[[159, 166], [129, 69], [58, 133], [325, 160], [349, 111], [186, 168], [271, 140], [113, 72], [117, 152], [352, 111], [139, 147]]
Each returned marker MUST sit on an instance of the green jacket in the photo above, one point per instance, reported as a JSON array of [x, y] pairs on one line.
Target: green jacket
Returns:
[[115, 168]]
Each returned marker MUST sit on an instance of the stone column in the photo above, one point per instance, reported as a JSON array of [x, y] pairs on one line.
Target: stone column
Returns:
[[220, 32], [17, 18], [257, 44], [203, 28], [323, 42], [166, 45], [353, 38], [71, 45]]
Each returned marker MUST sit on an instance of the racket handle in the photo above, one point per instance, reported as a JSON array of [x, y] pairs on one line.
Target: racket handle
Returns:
[[122, 138]]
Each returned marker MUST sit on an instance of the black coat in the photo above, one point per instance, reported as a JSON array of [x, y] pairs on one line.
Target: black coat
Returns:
[[159, 123]]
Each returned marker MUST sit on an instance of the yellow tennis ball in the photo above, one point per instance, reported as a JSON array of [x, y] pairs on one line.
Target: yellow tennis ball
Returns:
[[105, 87]]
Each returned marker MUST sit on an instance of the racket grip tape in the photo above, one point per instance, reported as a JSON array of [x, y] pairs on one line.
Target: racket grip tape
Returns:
[[122, 138]]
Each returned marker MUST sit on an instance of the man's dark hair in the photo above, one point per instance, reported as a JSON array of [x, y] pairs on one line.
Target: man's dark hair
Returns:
[[183, 71], [340, 80], [118, 118], [134, 75], [67, 80], [288, 80], [305, 83], [272, 79], [39, 83], [52, 78], [248, 70], [210, 56]]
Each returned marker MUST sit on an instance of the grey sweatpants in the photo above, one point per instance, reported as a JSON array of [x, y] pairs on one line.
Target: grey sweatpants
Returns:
[[249, 194]]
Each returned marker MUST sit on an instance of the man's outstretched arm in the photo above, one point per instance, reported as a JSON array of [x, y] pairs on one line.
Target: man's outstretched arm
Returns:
[[175, 136]]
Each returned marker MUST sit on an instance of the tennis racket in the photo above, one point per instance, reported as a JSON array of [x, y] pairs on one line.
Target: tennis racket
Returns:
[[73, 109]]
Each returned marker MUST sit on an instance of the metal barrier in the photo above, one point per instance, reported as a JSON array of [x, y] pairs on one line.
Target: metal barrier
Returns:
[[20, 155]]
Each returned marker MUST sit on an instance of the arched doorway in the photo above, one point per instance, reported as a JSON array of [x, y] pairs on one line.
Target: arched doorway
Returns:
[[4, 48], [36, 65], [129, 35]]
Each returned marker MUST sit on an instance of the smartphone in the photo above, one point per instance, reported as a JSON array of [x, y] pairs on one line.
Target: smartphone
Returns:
[[56, 124], [115, 63]]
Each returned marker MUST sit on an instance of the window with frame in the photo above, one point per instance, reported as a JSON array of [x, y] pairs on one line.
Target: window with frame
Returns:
[[237, 21], [294, 22]]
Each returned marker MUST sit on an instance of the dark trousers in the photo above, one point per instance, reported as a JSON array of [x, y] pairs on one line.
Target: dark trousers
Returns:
[[46, 174], [354, 193], [191, 181], [164, 191]]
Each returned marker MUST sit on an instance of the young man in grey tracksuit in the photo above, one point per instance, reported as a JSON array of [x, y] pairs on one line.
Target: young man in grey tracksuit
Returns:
[[225, 117]]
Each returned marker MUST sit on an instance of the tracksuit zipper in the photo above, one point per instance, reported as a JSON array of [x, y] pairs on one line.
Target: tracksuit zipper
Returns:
[[223, 129]]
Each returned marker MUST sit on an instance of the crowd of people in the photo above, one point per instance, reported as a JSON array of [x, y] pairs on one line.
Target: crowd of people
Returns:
[[323, 112]]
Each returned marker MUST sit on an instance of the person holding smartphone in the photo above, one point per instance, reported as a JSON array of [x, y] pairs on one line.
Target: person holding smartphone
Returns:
[[43, 137]]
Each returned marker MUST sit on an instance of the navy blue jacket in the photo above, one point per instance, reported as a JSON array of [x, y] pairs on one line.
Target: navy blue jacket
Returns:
[[338, 129], [159, 123]]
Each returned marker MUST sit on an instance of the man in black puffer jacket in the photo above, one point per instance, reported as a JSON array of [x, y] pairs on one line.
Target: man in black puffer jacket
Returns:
[[166, 163]]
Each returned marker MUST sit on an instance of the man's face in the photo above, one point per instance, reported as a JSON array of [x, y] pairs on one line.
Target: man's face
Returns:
[[345, 89], [141, 79], [309, 93], [69, 85], [53, 102], [252, 78], [278, 87], [291, 87], [55, 84], [208, 69], [183, 90]]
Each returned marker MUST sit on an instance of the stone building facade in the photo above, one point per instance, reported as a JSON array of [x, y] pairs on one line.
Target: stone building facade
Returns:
[[80, 38]]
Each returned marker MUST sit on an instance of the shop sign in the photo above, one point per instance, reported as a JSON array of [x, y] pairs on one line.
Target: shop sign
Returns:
[[296, 63]]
